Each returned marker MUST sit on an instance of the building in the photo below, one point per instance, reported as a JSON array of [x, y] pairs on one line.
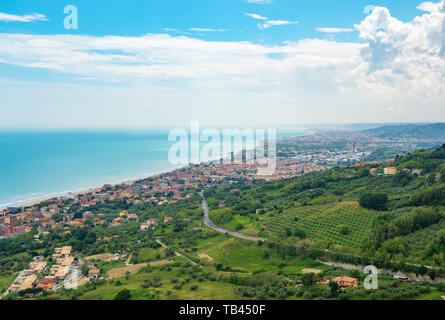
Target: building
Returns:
[[346, 282], [67, 261], [47, 283], [153, 222], [145, 226], [390, 171], [132, 216], [94, 274], [38, 266], [11, 220], [23, 283], [63, 251], [168, 219]]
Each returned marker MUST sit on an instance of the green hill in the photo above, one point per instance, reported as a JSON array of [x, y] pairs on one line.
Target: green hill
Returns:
[[428, 131], [333, 210]]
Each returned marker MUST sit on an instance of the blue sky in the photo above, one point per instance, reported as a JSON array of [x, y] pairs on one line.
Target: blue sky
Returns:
[[136, 17], [172, 61]]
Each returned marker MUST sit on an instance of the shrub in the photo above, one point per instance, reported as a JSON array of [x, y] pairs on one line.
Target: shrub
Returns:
[[375, 201], [123, 295]]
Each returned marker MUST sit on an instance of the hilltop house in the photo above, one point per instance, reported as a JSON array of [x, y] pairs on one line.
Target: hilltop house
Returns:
[[390, 171], [145, 226], [153, 222], [132, 216], [346, 282], [168, 219], [94, 274]]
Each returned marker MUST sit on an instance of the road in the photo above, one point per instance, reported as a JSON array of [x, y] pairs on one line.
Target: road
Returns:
[[213, 226]]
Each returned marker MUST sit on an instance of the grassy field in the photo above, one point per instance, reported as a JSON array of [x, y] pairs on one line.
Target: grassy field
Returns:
[[191, 288], [343, 223], [5, 281], [243, 256], [121, 272], [150, 254], [106, 266]]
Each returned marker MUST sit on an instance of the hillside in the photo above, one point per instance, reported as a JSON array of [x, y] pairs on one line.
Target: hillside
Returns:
[[428, 131], [340, 215], [336, 210]]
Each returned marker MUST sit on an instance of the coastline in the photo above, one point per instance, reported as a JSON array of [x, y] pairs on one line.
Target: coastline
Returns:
[[32, 202], [80, 191], [35, 198]]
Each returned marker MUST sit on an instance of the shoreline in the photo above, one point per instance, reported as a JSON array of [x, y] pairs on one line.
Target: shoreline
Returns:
[[79, 191], [39, 199], [32, 202]]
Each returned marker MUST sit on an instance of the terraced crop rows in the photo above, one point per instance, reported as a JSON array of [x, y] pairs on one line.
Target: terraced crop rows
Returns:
[[325, 222]]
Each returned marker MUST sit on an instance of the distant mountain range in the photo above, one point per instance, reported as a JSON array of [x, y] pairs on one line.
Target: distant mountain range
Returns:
[[432, 131]]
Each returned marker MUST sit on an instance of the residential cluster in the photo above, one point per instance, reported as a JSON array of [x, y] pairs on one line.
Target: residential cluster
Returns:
[[40, 274]]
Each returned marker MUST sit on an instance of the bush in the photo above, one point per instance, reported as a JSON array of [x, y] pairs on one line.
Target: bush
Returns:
[[123, 295], [375, 201]]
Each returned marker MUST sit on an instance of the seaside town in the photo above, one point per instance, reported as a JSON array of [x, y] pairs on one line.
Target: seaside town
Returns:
[[63, 212], [296, 156], [157, 190]]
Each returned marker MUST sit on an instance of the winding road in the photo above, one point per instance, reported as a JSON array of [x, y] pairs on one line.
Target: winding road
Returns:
[[213, 226]]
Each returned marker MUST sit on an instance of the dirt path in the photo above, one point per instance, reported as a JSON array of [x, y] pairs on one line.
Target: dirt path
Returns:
[[177, 253]]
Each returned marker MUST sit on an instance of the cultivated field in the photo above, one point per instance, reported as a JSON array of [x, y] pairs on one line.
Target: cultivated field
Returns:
[[134, 268], [343, 223], [120, 272], [104, 257]]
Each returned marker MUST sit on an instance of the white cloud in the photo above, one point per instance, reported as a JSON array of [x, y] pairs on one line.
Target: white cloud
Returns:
[[404, 59], [271, 23], [255, 16], [207, 30], [429, 7], [394, 75], [260, 1], [163, 56], [205, 80], [334, 30], [25, 18]]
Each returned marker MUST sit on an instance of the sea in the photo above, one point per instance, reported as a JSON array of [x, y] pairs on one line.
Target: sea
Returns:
[[40, 165]]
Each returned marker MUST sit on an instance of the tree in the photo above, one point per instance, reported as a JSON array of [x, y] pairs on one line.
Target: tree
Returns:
[[123, 295], [239, 227], [375, 201], [334, 287], [308, 279], [84, 269]]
